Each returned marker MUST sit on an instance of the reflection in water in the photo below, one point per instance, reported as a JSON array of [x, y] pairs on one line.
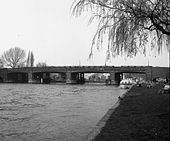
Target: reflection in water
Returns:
[[52, 112]]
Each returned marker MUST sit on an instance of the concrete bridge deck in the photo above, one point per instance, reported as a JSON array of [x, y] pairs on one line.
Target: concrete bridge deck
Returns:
[[75, 74]]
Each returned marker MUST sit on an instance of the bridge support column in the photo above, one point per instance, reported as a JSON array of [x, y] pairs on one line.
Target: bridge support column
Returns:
[[112, 78], [63, 77], [30, 77], [68, 78], [80, 78], [3, 75], [46, 78], [72, 77]]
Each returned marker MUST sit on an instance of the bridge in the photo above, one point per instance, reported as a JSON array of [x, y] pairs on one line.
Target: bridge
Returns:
[[75, 74]]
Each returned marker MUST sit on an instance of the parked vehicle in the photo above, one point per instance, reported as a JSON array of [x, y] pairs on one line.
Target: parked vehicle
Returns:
[[166, 89], [126, 84]]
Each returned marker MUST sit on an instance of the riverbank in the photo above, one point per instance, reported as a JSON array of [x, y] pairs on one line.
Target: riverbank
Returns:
[[143, 114]]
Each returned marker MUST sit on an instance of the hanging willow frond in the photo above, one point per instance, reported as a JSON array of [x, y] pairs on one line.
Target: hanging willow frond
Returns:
[[129, 24]]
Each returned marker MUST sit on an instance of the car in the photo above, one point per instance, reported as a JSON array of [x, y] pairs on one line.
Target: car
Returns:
[[166, 89]]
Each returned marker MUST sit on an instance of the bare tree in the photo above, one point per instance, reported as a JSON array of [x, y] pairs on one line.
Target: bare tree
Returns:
[[130, 25], [41, 64], [14, 57]]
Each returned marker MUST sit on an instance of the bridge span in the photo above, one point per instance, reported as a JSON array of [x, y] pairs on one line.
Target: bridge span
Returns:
[[75, 74]]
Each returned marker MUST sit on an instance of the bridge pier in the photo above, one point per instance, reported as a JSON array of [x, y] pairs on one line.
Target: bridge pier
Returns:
[[46, 78], [70, 77], [74, 78], [80, 78], [30, 77], [3, 75], [63, 77], [113, 78]]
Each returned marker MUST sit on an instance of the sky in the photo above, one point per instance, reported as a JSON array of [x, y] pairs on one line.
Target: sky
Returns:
[[47, 28]]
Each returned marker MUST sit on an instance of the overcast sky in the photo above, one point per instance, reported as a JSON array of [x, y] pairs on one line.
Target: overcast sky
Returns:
[[47, 28]]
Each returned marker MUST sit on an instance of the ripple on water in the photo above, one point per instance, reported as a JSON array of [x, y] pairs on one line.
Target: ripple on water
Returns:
[[52, 112]]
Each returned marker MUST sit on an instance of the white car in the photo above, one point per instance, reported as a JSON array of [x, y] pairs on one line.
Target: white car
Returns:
[[125, 84], [166, 88]]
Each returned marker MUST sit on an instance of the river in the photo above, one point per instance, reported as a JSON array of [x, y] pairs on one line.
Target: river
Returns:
[[35, 112]]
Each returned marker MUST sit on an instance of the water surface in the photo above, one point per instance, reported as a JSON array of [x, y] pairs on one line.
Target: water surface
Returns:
[[33, 112]]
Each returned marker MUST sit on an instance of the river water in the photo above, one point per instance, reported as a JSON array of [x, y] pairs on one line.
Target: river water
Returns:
[[34, 112]]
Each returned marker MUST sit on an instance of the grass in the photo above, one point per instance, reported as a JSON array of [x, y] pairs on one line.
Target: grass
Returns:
[[143, 115]]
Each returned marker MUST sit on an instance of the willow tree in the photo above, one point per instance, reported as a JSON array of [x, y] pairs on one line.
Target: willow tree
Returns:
[[1, 64], [128, 26]]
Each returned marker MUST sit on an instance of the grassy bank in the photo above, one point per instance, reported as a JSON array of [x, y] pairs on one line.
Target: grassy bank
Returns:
[[143, 115]]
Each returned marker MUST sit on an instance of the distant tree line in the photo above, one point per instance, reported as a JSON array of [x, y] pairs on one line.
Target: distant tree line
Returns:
[[16, 58]]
